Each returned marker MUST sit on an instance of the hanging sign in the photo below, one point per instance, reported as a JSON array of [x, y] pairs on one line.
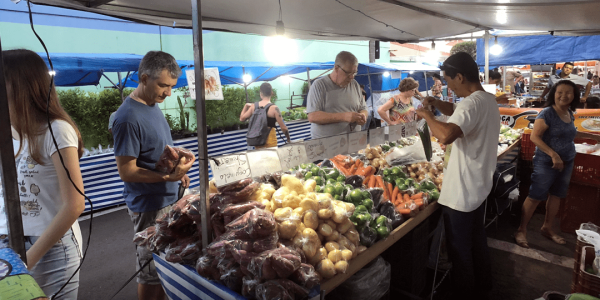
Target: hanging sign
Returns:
[[263, 162], [315, 149], [357, 141], [212, 84], [227, 169], [292, 155], [376, 136]]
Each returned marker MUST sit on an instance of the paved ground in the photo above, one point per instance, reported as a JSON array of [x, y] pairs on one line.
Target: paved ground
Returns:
[[518, 274]]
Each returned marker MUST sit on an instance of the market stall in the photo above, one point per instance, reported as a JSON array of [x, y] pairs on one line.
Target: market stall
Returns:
[[586, 120]]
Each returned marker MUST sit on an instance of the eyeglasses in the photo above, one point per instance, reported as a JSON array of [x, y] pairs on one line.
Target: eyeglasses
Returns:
[[348, 73]]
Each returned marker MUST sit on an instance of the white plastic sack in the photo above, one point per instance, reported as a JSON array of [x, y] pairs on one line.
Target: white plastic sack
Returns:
[[593, 238]]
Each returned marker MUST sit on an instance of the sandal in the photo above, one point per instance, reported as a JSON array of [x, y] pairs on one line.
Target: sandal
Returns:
[[555, 238], [521, 240]]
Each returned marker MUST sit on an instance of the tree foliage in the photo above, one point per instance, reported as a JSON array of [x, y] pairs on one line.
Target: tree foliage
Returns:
[[469, 47]]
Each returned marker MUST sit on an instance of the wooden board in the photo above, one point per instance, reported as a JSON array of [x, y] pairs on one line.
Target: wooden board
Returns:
[[363, 259]]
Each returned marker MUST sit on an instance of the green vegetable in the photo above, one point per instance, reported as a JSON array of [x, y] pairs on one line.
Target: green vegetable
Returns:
[[333, 174], [383, 232], [426, 140], [386, 172], [318, 179], [381, 220], [329, 190], [403, 187], [356, 196], [331, 181], [318, 189], [388, 178], [392, 144], [341, 178], [339, 188], [385, 148], [302, 166], [308, 175], [368, 203], [366, 194], [435, 194], [315, 170], [409, 182], [360, 209], [427, 185], [396, 170]]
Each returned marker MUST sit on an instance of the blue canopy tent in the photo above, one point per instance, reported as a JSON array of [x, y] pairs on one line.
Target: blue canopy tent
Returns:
[[79, 69], [541, 49]]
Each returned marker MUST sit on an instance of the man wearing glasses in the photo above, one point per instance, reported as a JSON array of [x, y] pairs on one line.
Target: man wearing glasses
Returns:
[[335, 103]]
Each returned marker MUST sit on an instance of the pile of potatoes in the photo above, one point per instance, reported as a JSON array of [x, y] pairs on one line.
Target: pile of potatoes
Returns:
[[315, 223], [424, 170], [375, 156]]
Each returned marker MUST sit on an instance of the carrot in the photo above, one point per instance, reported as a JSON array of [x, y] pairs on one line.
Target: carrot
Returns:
[[406, 198], [399, 197], [386, 193], [364, 171], [404, 211], [372, 181], [417, 196], [390, 188], [359, 163], [419, 202], [395, 193]]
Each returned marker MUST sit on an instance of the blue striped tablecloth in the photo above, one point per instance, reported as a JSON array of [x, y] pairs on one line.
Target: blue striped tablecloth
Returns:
[[104, 186]]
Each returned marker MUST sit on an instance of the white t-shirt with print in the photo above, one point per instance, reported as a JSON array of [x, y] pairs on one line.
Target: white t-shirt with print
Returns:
[[39, 190], [472, 161]]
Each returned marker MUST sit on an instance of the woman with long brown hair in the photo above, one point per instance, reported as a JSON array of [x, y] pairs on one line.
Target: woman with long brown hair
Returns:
[[50, 204]]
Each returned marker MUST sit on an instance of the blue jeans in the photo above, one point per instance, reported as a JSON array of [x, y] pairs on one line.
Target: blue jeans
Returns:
[[55, 268], [546, 180]]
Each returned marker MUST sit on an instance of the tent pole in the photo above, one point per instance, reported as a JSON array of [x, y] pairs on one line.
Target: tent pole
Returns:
[[426, 86], [370, 90], [8, 174], [201, 122], [504, 78], [245, 85], [120, 86], [487, 56]]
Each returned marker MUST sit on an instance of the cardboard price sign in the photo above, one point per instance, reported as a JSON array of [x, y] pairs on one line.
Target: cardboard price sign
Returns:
[[376, 136], [410, 129], [315, 149], [263, 162], [336, 145], [292, 155], [396, 132], [228, 169], [357, 141]]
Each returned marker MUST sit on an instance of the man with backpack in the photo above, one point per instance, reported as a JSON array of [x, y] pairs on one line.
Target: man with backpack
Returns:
[[263, 117]]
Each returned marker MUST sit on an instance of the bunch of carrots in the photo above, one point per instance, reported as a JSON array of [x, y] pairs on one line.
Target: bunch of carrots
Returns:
[[402, 201], [350, 167]]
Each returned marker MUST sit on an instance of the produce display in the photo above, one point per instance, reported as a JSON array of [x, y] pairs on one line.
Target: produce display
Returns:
[[507, 137], [298, 113]]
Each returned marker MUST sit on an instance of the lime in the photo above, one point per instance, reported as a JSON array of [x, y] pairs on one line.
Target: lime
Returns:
[[317, 189], [315, 170], [403, 187], [396, 170], [308, 175], [356, 196], [385, 148], [331, 181], [383, 232], [388, 178], [303, 166], [386, 172], [339, 188], [409, 182], [309, 165], [366, 195], [329, 190], [318, 179], [341, 178], [368, 203], [333, 174], [337, 197]]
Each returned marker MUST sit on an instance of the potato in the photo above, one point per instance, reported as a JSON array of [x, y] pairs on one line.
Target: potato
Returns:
[[325, 229], [321, 237], [335, 235], [309, 204], [361, 249], [292, 183], [280, 194], [298, 240], [353, 236], [325, 213], [311, 195], [349, 208], [345, 226], [309, 186], [341, 267], [299, 211], [330, 246], [339, 214], [370, 156], [291, 201], [430, 175], [345, 243], [375, 163], [267, 204], [331, 224], [413, 175], [335, 255], [311, 235], [268, 189], [318, 257], [310, 248], [212, 187], [311, 219], [324, 201], [300, 227], [282, 214], [346, 254], [287, 229], [326, 268]]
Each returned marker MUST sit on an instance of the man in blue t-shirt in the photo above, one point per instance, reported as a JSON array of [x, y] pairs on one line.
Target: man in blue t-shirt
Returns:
[[141, 133]]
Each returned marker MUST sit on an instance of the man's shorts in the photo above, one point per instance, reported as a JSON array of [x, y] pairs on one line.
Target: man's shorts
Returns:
[[142, 221], [546, 180]]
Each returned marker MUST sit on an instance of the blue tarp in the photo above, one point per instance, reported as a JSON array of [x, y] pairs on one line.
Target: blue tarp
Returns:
[[541, 49], [86, 69]]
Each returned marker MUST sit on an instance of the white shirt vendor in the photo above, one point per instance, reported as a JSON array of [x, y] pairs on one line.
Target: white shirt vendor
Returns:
[[578, 80], [472, 161]]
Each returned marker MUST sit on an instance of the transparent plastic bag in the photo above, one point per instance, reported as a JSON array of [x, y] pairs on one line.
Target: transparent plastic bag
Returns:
[[276, 263], [281, 289], [170, 158], [371, 282], [142, 238]]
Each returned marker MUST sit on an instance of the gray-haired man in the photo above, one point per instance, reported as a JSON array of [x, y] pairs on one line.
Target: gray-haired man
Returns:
[[140, 133]]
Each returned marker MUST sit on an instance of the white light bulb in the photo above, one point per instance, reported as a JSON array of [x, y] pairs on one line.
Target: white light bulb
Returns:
[[52, 73], [386, 74], [496, 49], [286, 79], [247, 78]]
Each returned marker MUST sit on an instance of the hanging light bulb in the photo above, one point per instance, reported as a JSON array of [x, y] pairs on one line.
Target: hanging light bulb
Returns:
[[247, 78], [386, 74], [279, 28], [496, 49]]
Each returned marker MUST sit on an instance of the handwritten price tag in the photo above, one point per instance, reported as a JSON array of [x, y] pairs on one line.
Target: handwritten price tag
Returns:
[[357, 141], [291, 156], [376, 136], [263, 162], [335, 145], [411, 129], [230, 168], [396, 132], [315, 149]]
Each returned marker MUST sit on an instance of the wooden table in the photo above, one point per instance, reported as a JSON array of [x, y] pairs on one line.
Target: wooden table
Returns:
[[508, 150], [370, 254]]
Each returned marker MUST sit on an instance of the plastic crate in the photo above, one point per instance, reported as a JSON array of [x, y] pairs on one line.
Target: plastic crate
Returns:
[[587, 283], [578, 249], [527, 147], [582, 205], [586, 168]]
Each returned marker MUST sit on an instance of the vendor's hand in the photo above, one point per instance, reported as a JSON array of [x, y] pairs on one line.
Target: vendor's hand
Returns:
[[502, 99], [557, 163], [185, 181], [182, 168], [583, 99], [427, 101], [354, 117], [425, 113]]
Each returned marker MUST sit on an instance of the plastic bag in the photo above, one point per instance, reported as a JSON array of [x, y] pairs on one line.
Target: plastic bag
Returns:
[[593, 238], [142, 238], [170, 157], [186, 251], [387, 209], [281, 289], [306, 276], [276, 263], [371, 282], [254, 224]]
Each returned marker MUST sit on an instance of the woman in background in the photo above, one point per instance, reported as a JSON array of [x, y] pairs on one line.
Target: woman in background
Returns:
[[50, 204], [401, 108]]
